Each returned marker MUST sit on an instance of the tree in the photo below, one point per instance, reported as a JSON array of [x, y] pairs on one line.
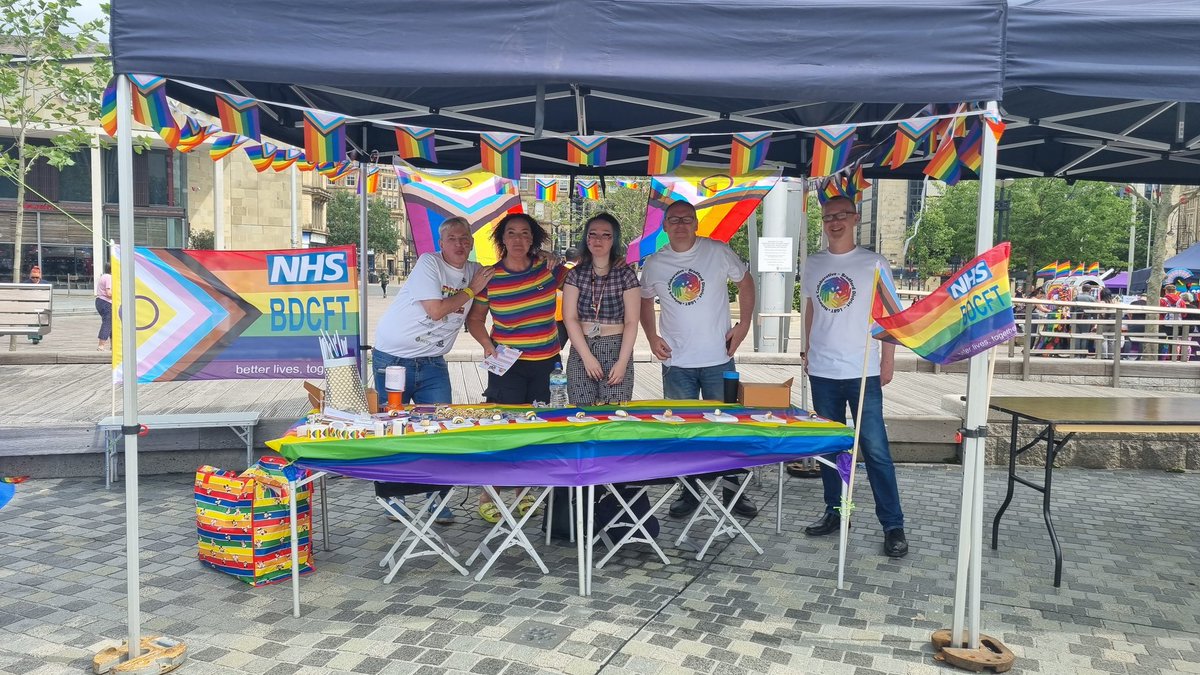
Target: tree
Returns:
[[52, 69], [342, 220], [567, 216], [1165, 207], [204, 240]]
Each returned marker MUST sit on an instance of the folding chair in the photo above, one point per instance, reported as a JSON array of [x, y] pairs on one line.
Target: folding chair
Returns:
[[418, 524], [712, 507], [633, 524], [510, 529]]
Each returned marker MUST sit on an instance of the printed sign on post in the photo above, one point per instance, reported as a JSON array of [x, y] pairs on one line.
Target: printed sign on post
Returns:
[[775, 254]]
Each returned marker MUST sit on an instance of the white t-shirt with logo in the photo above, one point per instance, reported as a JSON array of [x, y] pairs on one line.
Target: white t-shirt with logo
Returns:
[[405, 330], [837, 287], [693, 299]]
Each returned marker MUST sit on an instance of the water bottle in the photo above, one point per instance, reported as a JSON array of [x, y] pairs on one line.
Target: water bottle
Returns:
[[558, 387]]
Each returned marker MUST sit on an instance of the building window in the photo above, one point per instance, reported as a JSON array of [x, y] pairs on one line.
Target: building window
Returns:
[[75, 181], [157, 178], [152, 231]]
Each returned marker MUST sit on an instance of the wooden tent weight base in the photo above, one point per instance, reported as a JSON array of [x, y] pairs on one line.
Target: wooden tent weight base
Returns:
[[159, 655], [991, 653]]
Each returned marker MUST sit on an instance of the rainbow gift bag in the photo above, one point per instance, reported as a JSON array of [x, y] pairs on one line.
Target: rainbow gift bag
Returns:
[[242, 522]]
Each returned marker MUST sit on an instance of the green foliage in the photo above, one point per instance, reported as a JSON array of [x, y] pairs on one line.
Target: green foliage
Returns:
[[52, 70], [342, 219], [564, 218], [204, 240]]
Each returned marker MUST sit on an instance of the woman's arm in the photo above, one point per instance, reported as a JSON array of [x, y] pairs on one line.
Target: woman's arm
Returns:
[[475, 325]]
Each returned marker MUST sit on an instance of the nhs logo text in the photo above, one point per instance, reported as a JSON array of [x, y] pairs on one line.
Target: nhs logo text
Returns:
[[308, 268]]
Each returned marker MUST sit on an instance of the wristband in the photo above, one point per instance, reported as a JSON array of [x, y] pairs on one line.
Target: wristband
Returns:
[[470, 293]]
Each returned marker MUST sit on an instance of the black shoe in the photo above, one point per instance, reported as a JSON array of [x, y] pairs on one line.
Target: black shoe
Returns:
[[684, 506], [894, 543], [742, 507], [826, 524]]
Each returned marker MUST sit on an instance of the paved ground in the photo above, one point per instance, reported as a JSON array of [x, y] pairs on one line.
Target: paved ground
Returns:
[[1129, 603]]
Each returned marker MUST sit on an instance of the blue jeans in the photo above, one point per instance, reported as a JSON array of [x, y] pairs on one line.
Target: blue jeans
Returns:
[[427, 379], [830, 398], [694, 383]]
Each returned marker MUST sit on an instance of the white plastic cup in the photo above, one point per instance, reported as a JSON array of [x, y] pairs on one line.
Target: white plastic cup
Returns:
[[394, 378]]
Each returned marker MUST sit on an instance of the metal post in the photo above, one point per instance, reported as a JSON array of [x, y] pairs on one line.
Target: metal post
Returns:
[[129, 362], [774, 225], [219, 204], [37, 219], [99, 251], [1117, 340], [295, 207], [1132, 236], [362, 263]]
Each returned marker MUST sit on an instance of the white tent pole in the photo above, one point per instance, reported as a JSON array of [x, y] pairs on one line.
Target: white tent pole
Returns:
[[976, 424], [295, 207], [99, 248], [364, 273], [219, 205], [129, 361]]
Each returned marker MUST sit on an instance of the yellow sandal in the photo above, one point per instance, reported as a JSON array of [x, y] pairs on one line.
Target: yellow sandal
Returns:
[[489, 512], [525, 504]]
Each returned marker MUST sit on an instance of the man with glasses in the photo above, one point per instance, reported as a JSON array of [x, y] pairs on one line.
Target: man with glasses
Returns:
[[837, 284], [696, 344]]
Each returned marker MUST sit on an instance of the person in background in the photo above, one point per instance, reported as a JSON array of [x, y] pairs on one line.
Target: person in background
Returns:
[[837, 284], [696, 345], [521, 298], [35, 277], [1136, 329], [383, 282], [420, 326], [104, 307]]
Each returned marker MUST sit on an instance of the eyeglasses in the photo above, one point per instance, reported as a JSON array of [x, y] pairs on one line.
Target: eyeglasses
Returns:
[[599, 235], [681, 220], [839, 216]]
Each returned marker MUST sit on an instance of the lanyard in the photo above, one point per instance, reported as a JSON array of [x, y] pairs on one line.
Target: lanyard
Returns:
[[599, 286]]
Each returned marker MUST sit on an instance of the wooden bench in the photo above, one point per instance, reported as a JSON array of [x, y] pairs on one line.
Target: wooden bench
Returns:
[[241, 423], [25, 309]]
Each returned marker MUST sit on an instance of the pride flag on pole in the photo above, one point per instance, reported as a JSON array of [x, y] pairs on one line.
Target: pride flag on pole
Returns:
[[1048, 271], [969, 314], [1063, 269]]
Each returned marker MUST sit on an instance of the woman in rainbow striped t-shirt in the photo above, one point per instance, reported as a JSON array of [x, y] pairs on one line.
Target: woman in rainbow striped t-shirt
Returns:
[[521, 299]]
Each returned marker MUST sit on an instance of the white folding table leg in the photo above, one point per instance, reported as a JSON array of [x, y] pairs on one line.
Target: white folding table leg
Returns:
[[724, 521], [580, 555], [418, 529], [586, 533], [514, 536], [638, 524], [779, 502]]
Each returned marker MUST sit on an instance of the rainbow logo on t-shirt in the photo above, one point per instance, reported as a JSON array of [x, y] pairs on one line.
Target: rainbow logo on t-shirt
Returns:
[[835, 292], [687, 286]]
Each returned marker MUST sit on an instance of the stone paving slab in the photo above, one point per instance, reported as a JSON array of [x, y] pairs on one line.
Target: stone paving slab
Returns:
[[1130, 600]]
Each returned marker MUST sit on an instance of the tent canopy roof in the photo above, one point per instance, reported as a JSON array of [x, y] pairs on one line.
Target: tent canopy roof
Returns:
[[1092, 89]]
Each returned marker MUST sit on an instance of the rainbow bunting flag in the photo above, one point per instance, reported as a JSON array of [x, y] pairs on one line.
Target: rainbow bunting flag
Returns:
[[1093, 268], [372, 181], [628, 184], [1048, 271], [324, 136], [969, 314], [588, 189], [193, 134], [286, 158], [587, 150], [909, 134], [831, 149], [430, 197], [262, 156], [944, 165], [723, 203], [239, 115], [500, 153], [339, 170], [304, 165], [856, 185], [994, 125], [885, 301], [831, 187], [1063, 269], [150, 106], [748, 152], [970, 148], [225, 145], [416, 143], [108, 108], [547, 190], [667, 152]]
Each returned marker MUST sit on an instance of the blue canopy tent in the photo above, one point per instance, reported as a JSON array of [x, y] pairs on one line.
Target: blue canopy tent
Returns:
[[1187, 259]]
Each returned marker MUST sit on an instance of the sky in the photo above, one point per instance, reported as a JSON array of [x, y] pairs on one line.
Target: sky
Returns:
[[88, 10]]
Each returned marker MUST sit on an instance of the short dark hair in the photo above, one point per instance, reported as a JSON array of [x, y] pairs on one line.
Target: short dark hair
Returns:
[[535, 228], [618, 249]]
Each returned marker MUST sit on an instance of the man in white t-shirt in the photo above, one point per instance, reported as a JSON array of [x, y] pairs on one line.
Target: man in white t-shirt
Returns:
[[694, 340], [424, 320], [837, 284]]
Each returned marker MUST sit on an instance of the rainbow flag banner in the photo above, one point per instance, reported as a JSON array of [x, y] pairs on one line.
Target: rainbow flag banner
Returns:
[[262, 156], [225, 315], [372, 181], [547, 190], [667, 152], [748, 152], [286, 158], [969, 314], [1078, 271], [831, 187], [944, 165], [193, 134], [1048, 272], [430, 197], [588, 189], [994, 125], [831, 149], [225, 145], [150, 106], [970, 148], [909, 134], [500, 153], [239, 115], [108, 108], [1063, 269], [324, 136], [628, 184], [1093, 268], [335, 171], [416, 143], [723, 203], [562, 453], [587, 150]]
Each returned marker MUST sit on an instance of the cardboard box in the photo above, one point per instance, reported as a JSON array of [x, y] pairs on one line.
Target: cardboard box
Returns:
[[762, 395]]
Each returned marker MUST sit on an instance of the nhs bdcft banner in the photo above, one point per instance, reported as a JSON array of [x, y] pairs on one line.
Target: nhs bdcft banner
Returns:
[[218, 315]]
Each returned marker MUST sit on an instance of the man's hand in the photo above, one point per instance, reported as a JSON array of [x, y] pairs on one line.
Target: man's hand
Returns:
[[734, 337], [660, 348], [887, 368], [480, 279]]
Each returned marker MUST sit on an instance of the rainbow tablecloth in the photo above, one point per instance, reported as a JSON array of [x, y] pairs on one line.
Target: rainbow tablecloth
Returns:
[[566, 454]]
